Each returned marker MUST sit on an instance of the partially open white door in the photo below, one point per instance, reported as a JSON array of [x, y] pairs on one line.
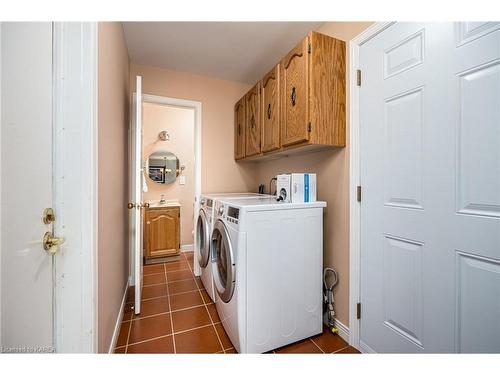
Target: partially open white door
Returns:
[[135, 201]]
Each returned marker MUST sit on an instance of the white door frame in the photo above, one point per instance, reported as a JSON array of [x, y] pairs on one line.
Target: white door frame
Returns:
[[75, 61], [354, 181], [197, 107]]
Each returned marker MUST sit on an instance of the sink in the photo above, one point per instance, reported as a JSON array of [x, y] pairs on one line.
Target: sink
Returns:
[[168, 203]]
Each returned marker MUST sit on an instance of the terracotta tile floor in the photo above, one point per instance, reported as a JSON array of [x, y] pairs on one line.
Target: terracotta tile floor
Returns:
[[178, 317]]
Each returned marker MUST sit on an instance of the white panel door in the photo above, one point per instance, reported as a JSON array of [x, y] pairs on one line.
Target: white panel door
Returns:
[[136, 194], [26, 186], [430, 172]]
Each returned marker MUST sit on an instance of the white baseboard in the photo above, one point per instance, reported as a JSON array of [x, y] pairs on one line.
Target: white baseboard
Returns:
[[118, 324], [185, 248], [343, 330]]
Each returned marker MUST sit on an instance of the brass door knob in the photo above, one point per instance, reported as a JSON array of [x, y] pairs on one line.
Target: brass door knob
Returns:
[[51, 244], [130, 205]]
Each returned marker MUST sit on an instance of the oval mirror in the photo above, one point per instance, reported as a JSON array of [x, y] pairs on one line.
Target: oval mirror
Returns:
[[162, 167]]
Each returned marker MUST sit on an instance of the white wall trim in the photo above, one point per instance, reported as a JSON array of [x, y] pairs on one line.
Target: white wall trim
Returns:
[[75, 185], [343, 330], [119, 320], [186, 248], [354, 179]]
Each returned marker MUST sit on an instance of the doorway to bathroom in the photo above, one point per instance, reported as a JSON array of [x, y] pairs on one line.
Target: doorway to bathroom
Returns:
[[165, 166], [168, 187]]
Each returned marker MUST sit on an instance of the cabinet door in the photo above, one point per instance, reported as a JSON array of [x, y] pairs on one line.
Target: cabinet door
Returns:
[[271, 110], [253, 129], [162, 232], [295, 95], [239, 129]]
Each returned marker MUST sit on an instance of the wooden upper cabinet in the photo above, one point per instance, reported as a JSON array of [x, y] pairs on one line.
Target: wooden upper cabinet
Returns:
[[327, 90], [270, 98], [303, 108], [295, 95], [253, 128], [239, 129]]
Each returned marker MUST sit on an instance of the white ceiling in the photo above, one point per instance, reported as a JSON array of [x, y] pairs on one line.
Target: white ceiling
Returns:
[[237, 51]]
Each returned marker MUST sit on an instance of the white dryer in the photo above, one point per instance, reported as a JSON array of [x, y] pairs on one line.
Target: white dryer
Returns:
[[203, 231], [268, 261]]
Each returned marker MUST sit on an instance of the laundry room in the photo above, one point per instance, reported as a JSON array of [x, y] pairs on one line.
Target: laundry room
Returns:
[[185, 115], [250, 187]]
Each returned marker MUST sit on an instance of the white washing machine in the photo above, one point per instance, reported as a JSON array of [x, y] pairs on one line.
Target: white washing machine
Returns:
[[204, 227], [268, 264]]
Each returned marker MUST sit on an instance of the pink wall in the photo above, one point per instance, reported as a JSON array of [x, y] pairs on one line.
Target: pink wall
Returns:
[[219, 171], [179, 122], [113, 107]]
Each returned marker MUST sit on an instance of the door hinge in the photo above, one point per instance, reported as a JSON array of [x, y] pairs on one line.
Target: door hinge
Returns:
[[309, 48], [358, 77], [358, 193], [358, 310], [309, 127]]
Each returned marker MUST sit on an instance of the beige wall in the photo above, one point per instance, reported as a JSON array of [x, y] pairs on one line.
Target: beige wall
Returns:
[[179, 122], [113, 106], [219, 171], [332, 169]]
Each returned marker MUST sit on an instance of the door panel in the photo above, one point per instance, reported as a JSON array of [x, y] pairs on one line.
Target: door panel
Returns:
[[295, 95], [239, 129], [26, 178], [271, 110], [253, 120], [430, 170]]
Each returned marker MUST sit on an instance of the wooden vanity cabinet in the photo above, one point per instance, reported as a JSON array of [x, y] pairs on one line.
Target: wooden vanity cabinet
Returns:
[[161, 232], [270, 99], [253, 120], [239, 129]]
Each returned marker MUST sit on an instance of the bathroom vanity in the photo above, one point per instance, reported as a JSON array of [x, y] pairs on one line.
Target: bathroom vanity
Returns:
[[161, 230]]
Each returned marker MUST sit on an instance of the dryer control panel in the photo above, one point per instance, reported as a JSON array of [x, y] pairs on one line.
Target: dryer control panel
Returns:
[[233, 214]]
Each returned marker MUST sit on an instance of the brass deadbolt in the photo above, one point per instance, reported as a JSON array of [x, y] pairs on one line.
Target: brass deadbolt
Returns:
[[49, 216]]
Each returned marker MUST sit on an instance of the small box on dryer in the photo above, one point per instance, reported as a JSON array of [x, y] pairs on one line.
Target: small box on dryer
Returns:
[[296, 187]]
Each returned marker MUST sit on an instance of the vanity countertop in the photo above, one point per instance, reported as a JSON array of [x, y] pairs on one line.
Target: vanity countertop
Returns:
[[168, 203]]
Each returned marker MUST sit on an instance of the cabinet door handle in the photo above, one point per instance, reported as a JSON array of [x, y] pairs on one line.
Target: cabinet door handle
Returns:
[[269, 112], [239, 129], [293, 96], [252, 122]]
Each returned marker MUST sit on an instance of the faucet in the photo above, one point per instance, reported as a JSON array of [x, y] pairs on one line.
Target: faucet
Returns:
[[162, 199]]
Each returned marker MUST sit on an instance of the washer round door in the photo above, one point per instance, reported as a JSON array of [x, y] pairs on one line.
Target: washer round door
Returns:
[[224, 271], [202, 239]]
